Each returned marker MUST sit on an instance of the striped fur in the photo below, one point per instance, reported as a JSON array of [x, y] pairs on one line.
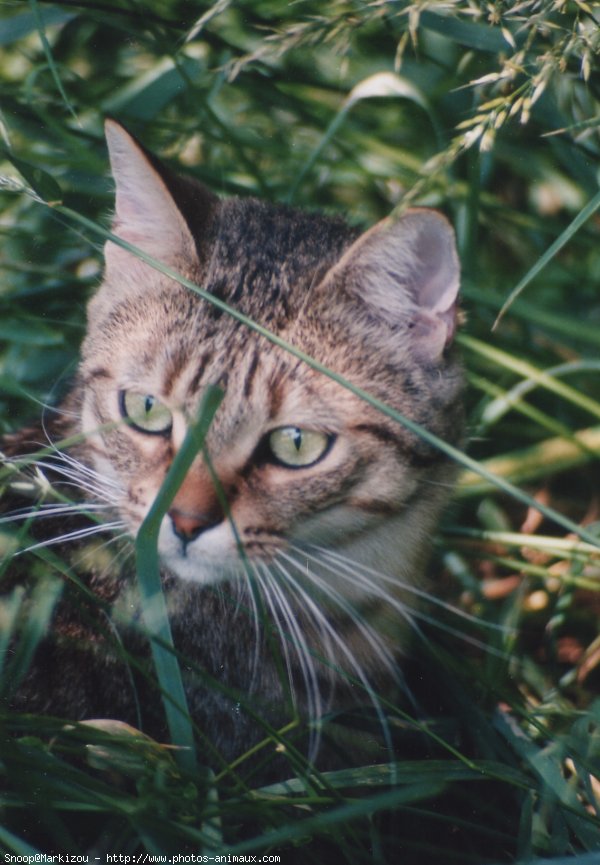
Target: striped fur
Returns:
[[333, 547]]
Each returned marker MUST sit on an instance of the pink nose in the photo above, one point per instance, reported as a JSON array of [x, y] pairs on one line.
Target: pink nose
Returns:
[[188, 526]]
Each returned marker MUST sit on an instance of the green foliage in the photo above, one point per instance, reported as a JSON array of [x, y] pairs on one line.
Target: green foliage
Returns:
[[148, 568], [488, 111]]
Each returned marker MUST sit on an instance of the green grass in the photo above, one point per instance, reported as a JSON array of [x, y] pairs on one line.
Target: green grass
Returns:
[[490, 113]]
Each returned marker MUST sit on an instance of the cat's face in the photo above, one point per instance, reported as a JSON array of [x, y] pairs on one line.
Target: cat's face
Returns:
[[301, 462]]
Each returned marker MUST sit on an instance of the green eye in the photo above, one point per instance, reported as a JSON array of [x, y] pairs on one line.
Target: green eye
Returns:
[[295, 447], [144, 412]]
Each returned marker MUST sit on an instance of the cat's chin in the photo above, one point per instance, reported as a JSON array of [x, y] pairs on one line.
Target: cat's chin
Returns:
[[200, 569], [206, 573]]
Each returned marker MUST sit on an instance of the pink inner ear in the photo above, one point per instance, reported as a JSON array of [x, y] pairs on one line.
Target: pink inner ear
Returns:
[[451, 319], [431, 334], [145, 213], [436, 274], [129, 210]]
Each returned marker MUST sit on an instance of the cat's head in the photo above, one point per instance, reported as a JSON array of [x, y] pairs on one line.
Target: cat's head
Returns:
[[300, 459]]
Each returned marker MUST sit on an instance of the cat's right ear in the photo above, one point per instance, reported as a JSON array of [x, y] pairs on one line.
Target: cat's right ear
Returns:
[[147, 212], [406, 272]]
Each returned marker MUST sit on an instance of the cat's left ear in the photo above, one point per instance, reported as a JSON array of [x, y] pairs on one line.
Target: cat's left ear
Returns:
[[148, 212], [407, 271]]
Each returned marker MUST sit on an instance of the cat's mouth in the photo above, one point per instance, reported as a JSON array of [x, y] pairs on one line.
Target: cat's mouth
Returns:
[[221, 550], [212, 555]]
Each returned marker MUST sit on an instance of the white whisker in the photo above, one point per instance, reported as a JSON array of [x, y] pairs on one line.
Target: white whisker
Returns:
[[52, 509], [344, 604], [352, 574], [69, 472], [81, 479], [84, 470], [343, 650], [353, 567], [279, 604], [254, 575], [73, 536], [296, 638], [265, 584]]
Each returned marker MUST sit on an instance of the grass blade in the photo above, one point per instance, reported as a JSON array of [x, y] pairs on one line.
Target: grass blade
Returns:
[[582, 217], [531, 374], [468, 33], [382, 84], [538, 461], [450, 451], [350, 811], [50, 59], [43, 601], [17, 845], [148, 569]]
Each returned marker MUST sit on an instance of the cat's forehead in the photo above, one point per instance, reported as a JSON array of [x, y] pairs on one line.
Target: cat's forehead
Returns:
[[263, 258], [260, 380], [173, 346]]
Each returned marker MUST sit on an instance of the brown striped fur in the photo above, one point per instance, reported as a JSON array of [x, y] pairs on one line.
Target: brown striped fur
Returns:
[[378, 309]]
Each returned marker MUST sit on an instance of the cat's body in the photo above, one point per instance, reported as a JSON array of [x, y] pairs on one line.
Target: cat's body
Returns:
[[333, 503]]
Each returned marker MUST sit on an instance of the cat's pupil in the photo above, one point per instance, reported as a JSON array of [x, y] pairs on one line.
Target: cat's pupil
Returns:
[[148, 404], [297, 438]]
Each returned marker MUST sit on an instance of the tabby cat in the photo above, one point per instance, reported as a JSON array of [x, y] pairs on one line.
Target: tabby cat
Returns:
[[332, 503]]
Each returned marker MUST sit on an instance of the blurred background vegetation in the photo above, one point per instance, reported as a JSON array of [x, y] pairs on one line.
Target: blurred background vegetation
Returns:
[[487, 110]]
